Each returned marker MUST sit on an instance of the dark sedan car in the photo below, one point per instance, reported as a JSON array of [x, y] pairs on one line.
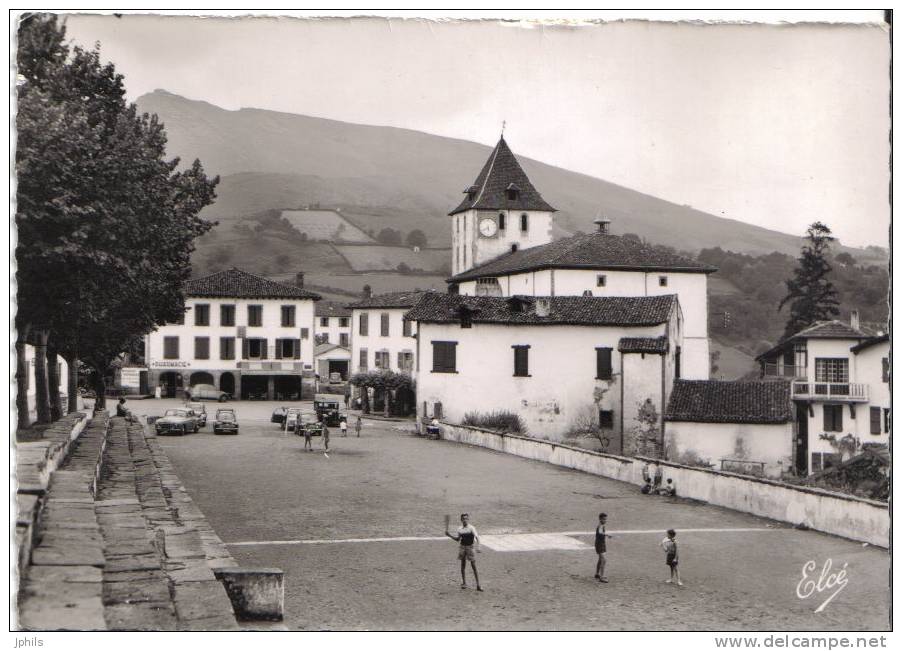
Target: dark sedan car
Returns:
[[226, 422]]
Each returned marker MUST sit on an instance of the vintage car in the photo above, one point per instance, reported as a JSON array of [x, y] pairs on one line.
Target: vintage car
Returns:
[[200, 412], [226, 422], [278, 415], [309, 423], [177, 422], [291, 415], [206, 392], [327, 407]]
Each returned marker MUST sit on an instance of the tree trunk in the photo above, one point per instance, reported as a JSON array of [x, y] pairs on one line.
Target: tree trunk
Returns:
[[53, 383], [72, 382], [41, 392], [386, 399], [23, 421], [99, 385], [365, 397]]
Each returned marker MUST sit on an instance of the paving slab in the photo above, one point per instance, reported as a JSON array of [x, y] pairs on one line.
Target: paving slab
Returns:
[[68, 555], [65, 574], [144, 616]]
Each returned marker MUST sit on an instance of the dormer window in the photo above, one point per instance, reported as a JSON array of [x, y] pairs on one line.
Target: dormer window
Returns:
[[516, 304], [471, 192], [465, 314], [512, 192]]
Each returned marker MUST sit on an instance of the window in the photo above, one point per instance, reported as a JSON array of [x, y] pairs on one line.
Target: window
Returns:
[[501, 223], [604, 369], [363, 359], [344, 339], [823, 460], [662, 281], [382, 360], [885, 362], [343, 322], [201, 348], [521, 361], [832, 418], [324, 322], [524, 222], [364, 324], [875, 420], [288, 313], [288, 349], [514, 248], [405, 361], [601, 280], [255, 348], [255, 315], [444, 357], [323, 338], [305, 333], [886, 421], [226, 315], [383, 324], [202, 314], [408, 328], [227, 348], [605, 419], [831, 370], [170, 347]]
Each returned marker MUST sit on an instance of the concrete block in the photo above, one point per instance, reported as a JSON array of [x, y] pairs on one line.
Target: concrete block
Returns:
[[257, 593]]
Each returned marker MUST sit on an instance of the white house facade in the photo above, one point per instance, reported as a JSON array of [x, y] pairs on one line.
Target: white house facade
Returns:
[[488, 262], [563, 364], [382, 339], [332, 324], [248, 336]]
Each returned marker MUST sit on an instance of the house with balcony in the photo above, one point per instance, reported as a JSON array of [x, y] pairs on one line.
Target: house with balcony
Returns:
[[247, 335], [832, 387]]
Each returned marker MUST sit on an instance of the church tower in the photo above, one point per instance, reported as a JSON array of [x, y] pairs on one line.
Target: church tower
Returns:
[[502, 212]]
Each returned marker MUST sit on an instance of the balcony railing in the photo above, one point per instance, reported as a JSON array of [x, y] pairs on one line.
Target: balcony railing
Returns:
[[833, 391], [784, 370], [270, 365]]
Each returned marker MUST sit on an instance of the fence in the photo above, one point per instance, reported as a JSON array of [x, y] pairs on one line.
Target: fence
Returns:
[[835, 513]]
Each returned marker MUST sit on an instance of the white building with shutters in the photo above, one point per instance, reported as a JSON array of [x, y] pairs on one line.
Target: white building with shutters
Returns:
[[246, 335], [332, 324], [564, 364], [381, 338]]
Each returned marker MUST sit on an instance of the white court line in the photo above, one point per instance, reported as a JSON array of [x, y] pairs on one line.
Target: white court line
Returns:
[[249, 543]]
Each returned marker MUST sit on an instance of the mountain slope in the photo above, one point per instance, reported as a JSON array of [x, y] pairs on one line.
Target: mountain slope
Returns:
[[407, 179]]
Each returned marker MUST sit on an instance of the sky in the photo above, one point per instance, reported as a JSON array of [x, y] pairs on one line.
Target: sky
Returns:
[[775, 125]]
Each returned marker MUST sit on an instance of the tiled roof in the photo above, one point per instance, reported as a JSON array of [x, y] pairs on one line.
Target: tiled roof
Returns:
[[331, 308], [717, 401], [656, 345], [867, 343], [587, 251], [389, 300], [235, 283], [821, 330], [562, 310], [325, 348], [500, 172]]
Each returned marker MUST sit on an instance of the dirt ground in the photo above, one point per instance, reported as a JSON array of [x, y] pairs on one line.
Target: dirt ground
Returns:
[[740, 572]]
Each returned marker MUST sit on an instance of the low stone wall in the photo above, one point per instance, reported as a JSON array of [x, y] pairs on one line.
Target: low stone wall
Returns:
[[835, 513]]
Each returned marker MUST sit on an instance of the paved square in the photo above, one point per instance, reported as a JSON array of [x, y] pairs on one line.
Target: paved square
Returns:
[[360, 537]]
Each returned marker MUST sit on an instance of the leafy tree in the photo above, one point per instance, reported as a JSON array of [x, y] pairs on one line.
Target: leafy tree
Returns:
[[416, 237], [106, 225], [389, 236], [810, 294], [845, 258]]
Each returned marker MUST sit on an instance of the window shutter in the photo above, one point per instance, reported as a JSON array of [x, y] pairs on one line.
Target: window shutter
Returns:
[[452, 357], [885, 362], [837, 417], [364, 324], [279, 348], [521, 361], [384, 323], [263, 346], [604, 369], [297, 348], [828, 420], [875, 420], [244, 350]]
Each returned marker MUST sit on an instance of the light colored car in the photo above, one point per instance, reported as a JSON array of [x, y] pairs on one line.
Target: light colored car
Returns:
[[206, 392], [278, 415], [291, 416], [226, 422], [177, 422], [200, 412]]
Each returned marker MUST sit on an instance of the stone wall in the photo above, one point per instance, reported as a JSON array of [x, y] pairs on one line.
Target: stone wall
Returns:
[[834, 513]]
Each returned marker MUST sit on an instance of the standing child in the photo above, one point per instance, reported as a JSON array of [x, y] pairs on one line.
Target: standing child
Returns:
[[308, 441], [468, 538], [343, 424], [673, 557], [601, 547], [326, 437]]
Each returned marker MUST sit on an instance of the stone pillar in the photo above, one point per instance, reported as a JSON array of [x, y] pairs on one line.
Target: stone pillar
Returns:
[[270, 387]]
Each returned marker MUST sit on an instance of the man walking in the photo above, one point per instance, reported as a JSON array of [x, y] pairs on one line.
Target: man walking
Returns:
[[358, 426], [468, 538], [601, 546], [325, 437]]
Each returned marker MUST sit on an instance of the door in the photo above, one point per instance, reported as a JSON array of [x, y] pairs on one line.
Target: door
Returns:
[[801, 439]]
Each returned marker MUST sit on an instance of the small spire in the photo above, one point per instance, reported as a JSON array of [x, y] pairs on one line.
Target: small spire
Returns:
[[503, 124]]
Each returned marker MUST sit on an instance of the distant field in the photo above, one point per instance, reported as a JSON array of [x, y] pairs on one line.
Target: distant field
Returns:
[[733, 364], [383, 258], [325, 225]]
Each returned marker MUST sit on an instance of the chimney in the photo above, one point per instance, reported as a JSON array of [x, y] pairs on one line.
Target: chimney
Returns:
[[854, 321], [603, 224], [367, 291], [543, 307], [299, 279]]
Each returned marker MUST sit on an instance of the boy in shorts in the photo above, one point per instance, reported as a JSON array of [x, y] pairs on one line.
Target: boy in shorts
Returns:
[[466, 534], [673, 557], [601, 547]]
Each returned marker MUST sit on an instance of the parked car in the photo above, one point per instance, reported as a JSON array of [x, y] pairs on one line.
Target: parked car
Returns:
[[206, 392], [291, 415], [226, 422], [327, 408], [310, 424], [177, 422], [200, 412], [278, 415]]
